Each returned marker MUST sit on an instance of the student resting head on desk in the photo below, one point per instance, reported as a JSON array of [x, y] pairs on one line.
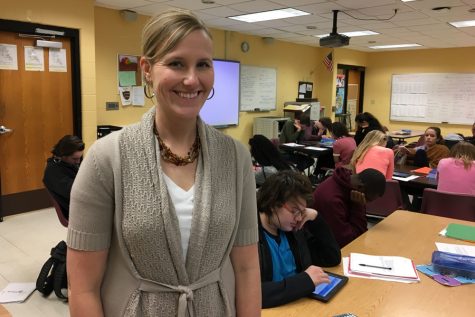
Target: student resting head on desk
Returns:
[[62, 168], [456, 174], [341, 200], [294, 241], [431, 152], [372, 153]]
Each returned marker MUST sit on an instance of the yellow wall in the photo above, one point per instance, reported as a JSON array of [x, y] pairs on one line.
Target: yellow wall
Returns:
[[71, 14], [293, 62], [382, 65]]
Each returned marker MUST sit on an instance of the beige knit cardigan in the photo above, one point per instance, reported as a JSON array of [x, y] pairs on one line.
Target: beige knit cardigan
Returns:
[[120, 202]]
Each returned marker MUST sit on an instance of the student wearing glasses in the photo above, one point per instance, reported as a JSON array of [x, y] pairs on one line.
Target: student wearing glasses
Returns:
[[294, 241]]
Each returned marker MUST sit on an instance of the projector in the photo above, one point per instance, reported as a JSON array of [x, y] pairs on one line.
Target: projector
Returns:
[[335, 40]]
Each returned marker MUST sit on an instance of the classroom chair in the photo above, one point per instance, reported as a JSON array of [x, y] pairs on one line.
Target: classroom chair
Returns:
[[59, 211], [388, 203], [451, 205]]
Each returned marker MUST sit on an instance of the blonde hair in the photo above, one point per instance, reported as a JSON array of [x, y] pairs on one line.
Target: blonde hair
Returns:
[[463, 152], [163, 32], [371, 139]]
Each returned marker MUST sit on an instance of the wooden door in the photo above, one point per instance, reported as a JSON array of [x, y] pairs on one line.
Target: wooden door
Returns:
[[37, 107]]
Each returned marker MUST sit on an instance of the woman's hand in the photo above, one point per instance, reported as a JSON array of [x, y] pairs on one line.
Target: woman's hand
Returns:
[[317, 275], [308, 214]]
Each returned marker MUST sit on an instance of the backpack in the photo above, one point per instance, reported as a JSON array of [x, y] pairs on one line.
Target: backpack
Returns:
[[53, 273]]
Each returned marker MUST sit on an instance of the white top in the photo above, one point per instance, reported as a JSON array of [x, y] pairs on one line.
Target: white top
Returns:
[[183, 202]]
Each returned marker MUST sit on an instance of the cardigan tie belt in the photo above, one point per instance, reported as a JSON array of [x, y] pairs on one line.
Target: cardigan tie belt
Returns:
[[186, 292]]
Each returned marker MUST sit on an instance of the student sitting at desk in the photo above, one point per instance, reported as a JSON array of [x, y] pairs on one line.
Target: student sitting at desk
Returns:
[[344, 145], [341, 200], [366, 122], [372, 153], [294, 241], [268, 158], [62, 168], [314, 131], [471, 139], [292, 130], [456, 174], [431, 152]]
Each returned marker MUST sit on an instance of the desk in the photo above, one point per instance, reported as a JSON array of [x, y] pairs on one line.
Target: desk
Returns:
[[402, 137], [308, 151], [402, 233], [420, 183]]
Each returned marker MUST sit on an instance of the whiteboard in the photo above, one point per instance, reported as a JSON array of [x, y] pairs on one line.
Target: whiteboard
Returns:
[[258, 88], [433, 97]]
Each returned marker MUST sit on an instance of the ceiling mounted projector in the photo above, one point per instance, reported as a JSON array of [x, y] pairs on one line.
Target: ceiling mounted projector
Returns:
[[335, 39]]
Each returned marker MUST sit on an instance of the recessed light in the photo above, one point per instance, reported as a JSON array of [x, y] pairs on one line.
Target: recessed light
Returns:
[[393, 46], [463, 24], [269, 15], [351, 34], [407, 0]]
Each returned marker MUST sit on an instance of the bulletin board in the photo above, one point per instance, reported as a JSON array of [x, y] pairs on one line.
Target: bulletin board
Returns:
[[258, 88], [433, 98]]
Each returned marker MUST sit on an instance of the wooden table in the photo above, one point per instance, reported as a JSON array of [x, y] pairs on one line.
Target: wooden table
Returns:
[[403, 233], [421, 182], [402, 137]]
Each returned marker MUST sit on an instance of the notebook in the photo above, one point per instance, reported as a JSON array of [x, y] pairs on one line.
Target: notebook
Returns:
[[462, 232]]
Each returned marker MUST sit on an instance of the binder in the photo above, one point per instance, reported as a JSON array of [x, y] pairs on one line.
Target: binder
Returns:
[[462, 232]]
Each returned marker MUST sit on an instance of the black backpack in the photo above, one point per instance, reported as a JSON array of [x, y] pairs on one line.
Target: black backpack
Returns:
[[53, 273]]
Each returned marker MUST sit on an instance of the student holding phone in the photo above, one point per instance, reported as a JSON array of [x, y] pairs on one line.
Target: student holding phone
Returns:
[[294, 241]]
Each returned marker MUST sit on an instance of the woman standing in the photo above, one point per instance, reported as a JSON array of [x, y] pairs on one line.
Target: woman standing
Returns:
[[372, 153], [161, 209]]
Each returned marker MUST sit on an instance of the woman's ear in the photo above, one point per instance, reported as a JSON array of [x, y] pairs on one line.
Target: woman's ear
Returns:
[[146, 68]]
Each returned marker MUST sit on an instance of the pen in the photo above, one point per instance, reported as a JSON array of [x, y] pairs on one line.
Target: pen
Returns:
[[375, 266]]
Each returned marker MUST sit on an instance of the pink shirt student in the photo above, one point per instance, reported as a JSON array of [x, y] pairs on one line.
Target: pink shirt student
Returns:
[[454, 178], [344, 148], [379, 158]]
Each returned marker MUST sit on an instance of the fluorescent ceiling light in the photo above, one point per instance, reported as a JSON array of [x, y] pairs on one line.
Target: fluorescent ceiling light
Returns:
[[269, 15], [352, 34], [393, 46], [463, 24], [407, 0]]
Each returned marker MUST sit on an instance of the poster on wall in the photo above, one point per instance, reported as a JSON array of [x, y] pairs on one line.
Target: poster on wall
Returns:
[[128, 72], [57, 60], [8, 57], [34, 59], [340, 99]]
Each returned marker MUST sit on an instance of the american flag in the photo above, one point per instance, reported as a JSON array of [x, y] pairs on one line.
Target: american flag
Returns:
[[328, 61]]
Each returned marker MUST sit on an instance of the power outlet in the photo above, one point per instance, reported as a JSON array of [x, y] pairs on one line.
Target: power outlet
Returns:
[[112, 105]]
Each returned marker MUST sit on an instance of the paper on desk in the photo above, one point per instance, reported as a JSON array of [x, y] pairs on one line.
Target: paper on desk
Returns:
[[387, 266], [429, 271], [293, 144], [315, 148], [345, 262], [405, 179], [456, 248], [16, 292]]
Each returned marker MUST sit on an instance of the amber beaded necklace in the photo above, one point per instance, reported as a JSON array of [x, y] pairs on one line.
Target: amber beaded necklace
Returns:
[[168, 156]]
